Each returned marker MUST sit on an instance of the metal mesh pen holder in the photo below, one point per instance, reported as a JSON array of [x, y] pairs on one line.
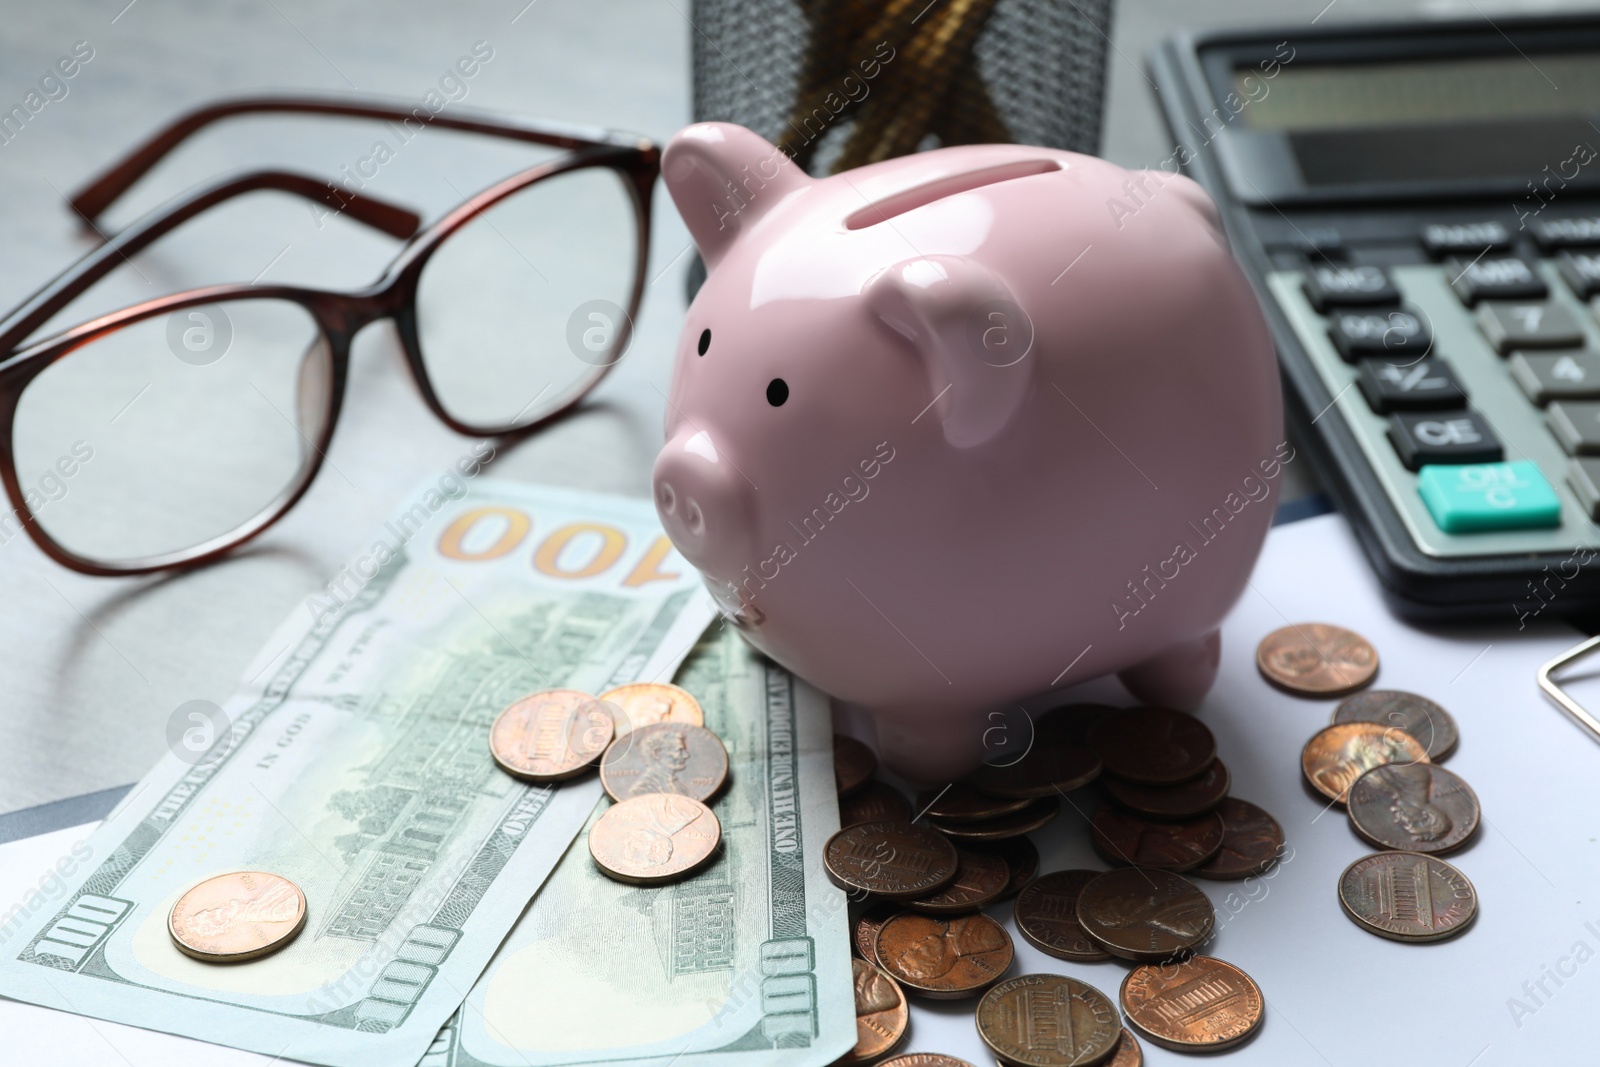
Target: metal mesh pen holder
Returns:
[[840, 83]]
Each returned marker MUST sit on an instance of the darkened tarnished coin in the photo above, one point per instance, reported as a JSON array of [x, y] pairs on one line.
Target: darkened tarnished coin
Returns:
[[1252, 841], [1130, 840], [645, 703], [1182, 801], [1156, 746], [1413, 807], [1029, 819], [1201, 1004], [876, 802], [665, 757], [980, 879], [1021, 857], [655, 838], [1416, 715], [853, 764], [892, 860], [1337, 755], [864, 931], [1143, 914], [1048, 768], [1406, 896], [925, 1059], [961, 802], [1314, 659], [241, 915], [1046, 913], [881, 1014], [944, 957], [551, 735], [1048, 1020], [1127, 1053], [1071, 723]]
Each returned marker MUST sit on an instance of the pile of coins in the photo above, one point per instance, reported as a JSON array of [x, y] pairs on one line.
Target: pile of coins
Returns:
[[1379, 760], [656, 759], [922, 883]]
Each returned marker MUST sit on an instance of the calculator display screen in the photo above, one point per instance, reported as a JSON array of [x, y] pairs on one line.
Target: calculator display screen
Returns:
[[1428, 120]]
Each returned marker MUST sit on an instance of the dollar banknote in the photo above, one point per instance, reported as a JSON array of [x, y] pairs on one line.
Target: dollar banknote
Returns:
[[746, 964], [356, 764]]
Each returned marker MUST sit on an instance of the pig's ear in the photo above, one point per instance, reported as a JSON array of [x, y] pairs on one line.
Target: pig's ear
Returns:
[[972, 336], [723, 179]]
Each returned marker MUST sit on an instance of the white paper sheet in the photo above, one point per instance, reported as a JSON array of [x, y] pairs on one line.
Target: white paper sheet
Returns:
[[1514, 989]]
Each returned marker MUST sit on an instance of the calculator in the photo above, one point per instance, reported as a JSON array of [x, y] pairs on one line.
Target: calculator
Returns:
[[1418, 207]]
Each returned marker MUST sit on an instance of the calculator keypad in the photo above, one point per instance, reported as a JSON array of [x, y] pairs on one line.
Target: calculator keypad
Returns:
[[1547, 376], [1425, 385], [1511, 325], [1460, 436], [1495, 278], [1576, 424], [1389, 332], [1334, 285]]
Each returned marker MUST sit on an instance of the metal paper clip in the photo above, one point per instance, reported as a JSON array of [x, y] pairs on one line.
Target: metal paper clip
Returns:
[[1559, 695]]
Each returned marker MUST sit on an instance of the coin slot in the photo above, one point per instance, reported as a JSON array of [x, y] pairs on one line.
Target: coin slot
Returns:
[[940, 188]]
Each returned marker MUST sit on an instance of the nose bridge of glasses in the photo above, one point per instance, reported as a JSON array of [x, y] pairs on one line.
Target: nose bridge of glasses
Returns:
[[67, 286]]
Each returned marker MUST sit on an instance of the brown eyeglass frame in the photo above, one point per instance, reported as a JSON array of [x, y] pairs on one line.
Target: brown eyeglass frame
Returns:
[[338, 315]]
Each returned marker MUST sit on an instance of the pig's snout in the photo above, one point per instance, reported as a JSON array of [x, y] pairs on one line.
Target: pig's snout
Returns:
[[703, 502]]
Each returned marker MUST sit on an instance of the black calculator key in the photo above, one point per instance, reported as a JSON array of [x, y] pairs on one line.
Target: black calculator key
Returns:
[[1461, 436], [1469, 237], [1566, 233], [1342, 286], [1510, 325], [1576, 424], [1495, 278], [1427, 384], [1547, 376], [1581, 271], [1584, 477], [1394, 333]]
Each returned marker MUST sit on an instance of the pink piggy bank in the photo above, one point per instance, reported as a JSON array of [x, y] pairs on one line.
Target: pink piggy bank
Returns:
[[957, 429]]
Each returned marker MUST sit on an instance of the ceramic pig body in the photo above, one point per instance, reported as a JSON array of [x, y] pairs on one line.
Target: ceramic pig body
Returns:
[[964, 427]]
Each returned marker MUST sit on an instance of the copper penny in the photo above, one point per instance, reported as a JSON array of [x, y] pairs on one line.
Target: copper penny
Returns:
[[853, 764], [1071, 723], [1406, 896], [980, 879], [1252, 841], [881, 1014], [1046, 913], [1314, 659], [647, 703], [1029, 819], [892, 860], [238, 916], [1156, 746], [1413, 807], [1021, 857], [1126, 839], [864, 931], [655, 838], [550, 735], [944, 958], [1048, 1020], [1048, 768], [963, 802], [1182, 801], [925, 1059], [665, 757], [1338, 755], [877, 802], [1201, 1004], [1127, 1053], [1146, 915], [1417, 716]]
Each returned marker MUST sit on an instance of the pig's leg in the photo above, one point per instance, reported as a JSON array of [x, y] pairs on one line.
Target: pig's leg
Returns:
[[1178, 677]]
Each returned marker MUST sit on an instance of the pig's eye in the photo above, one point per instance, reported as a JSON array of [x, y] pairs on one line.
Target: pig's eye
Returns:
[[705, 341], [777, 392]]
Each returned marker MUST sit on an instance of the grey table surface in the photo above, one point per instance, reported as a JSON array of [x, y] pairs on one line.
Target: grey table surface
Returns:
[[92, 668]]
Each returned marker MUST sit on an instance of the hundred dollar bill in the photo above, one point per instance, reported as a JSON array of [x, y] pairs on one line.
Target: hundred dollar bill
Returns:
[[746, 964], [357, 765]]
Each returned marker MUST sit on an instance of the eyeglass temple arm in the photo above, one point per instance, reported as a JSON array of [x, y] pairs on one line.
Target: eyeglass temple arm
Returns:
[[99, 262], [100, 192]]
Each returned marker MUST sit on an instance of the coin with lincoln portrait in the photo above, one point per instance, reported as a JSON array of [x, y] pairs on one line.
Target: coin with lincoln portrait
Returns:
[[944, 958], [655, 838], [665, 757], [1413, 807]]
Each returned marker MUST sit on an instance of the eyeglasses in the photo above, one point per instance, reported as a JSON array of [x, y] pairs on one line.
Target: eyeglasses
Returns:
[[169, 432]]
